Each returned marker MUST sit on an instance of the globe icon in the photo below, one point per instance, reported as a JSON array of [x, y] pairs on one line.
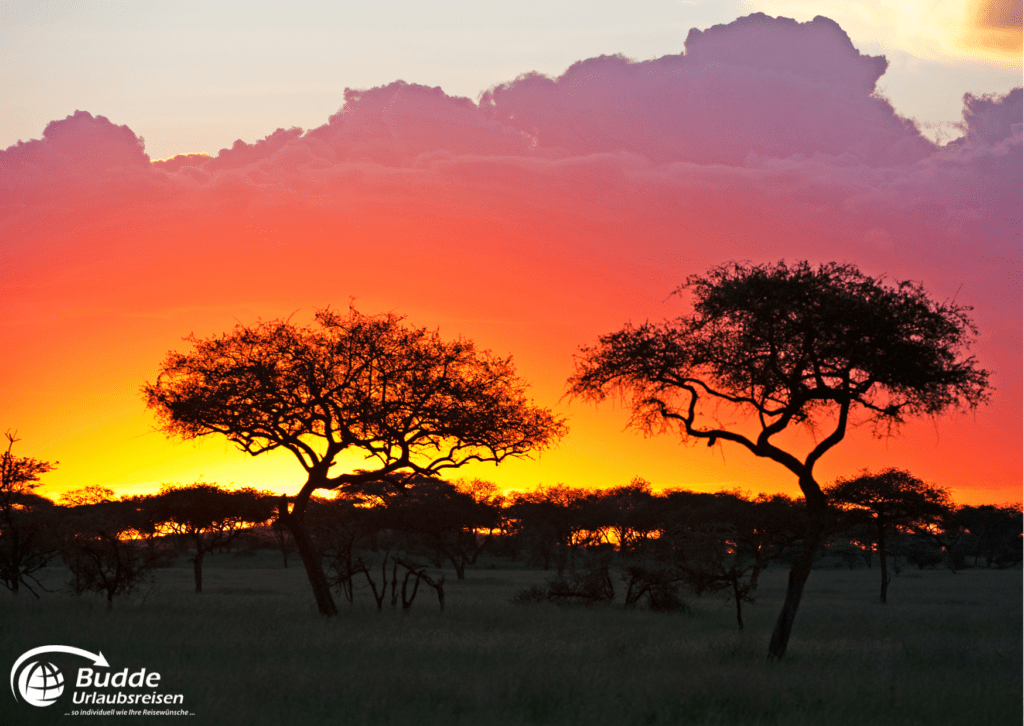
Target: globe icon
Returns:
[[41, 683]]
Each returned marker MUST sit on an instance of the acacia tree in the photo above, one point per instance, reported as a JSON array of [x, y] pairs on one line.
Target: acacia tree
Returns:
[[27, 543], [783, 345], [632, 514], [994, 533], [109, 545], [891, 499], [208, 516], [447, 518], [399, 395]]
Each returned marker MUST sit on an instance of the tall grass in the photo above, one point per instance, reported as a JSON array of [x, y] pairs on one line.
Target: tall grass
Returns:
[[251, 649]]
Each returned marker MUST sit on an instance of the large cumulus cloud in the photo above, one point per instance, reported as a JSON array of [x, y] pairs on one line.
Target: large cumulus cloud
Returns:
[[591, 194], [769, 86]]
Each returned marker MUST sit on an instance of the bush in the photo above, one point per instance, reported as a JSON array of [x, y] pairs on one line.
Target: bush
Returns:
[[587, 589]]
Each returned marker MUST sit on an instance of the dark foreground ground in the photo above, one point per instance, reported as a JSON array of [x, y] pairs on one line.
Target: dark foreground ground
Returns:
[[947, 649]]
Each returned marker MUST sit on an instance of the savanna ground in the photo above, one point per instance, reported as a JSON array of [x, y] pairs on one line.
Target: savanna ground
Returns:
[[251, 649]]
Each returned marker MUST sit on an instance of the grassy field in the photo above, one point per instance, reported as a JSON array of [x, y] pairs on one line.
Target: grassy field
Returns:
[[252, 650]]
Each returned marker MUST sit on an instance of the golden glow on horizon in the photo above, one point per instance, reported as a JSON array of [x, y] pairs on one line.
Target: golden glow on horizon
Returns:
[[147, 461]]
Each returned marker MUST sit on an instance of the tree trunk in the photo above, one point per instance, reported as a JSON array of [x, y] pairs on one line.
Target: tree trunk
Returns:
[[881, 559], [458, 561], [394, 581], [794, 590], [197, 567], [310, 558], [738, 599]]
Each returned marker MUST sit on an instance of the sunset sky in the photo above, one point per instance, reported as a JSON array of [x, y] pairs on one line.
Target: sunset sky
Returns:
[[528, 175]]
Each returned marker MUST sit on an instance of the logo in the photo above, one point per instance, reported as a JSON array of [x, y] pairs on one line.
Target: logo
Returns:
[[93, 690], [41, 683]]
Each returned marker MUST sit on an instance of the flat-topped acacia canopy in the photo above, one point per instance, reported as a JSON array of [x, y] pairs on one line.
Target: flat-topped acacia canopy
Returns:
[[790, 344], [408, 400]]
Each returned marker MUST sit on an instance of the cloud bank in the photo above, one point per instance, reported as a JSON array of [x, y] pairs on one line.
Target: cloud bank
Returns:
[[540, 216]]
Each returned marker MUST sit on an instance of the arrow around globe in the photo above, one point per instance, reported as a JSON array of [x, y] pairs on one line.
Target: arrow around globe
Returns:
[[97, 658]]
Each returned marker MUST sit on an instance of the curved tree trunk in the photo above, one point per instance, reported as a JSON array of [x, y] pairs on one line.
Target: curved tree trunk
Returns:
[[458, 561], [794, 591], [310, 559], [815, 531]]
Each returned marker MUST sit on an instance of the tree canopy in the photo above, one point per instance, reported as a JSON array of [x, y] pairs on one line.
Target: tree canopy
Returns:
[[207, 516], [404, 397], [892, 498], [409, 401], [790, 344]]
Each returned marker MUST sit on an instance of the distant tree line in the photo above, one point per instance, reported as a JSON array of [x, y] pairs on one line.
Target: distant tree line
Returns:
[[391, 539]]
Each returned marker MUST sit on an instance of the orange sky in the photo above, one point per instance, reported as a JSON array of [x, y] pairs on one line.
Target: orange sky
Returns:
[[550, 212]]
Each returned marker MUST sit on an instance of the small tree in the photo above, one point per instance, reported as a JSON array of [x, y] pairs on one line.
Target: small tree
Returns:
[[208, 516], [785, 345], [27, 542], [992, 532], [632, 514], [405, 399], [552, 524], [764, 528], [446, 518], [108, 545], [282, 539], [713, 565], [891, 500]]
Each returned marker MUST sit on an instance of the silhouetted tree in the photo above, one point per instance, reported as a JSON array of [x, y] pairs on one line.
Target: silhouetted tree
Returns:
[[419, 571], [657, 582], [632, 514], [785, 345], [721, 542], [91, 494], [891, 499], [405, 399], [27, 541], [109, 545], [763, 528], [994, 533], [846, 550], [553, 523], [339, 527], [379, 536], [207, 516], [283, 539], [921, 550], [712, 564], [447, 520]]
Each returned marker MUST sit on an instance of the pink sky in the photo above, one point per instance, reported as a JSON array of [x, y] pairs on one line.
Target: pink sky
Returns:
[[548, 212]]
